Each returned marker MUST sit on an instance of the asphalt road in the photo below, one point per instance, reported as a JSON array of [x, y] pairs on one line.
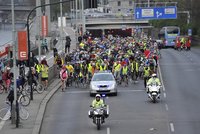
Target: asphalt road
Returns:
[[131, 111], [180, 71]]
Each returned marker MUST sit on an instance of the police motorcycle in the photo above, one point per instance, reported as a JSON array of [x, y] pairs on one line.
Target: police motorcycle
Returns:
[[99, 114], [153, 91]]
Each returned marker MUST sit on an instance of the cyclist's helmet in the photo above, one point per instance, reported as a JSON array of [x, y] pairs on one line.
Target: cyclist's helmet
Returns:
[[154, 75]]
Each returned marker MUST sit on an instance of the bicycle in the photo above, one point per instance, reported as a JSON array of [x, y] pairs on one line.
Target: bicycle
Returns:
[[5, 113], [36, 87], [124, 78], [2, 88]]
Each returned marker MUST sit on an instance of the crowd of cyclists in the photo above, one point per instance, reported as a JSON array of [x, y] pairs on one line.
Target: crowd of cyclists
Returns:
[[128, 58]]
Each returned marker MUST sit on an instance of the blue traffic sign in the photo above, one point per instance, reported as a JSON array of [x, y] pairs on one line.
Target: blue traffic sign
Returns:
[[189, 32], [156, 12]]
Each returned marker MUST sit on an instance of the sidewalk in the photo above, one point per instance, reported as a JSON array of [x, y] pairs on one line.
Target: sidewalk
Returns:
[[36, 110], [37, 106]]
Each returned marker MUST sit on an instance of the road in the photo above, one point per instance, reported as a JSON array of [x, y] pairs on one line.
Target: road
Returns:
[[131, 111], [181, 78]]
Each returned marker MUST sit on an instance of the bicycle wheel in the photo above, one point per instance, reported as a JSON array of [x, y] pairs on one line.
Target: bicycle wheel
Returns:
[[1, 89], [24, 100], [5, 114], [39, 89], [23, 113]]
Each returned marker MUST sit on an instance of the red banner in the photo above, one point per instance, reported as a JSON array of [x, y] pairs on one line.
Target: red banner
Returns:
[[44, 26], [22, 45]]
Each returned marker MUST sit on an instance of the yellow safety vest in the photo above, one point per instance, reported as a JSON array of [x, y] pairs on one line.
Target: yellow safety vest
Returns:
[[103, 68], [45, 71], [146, 72], [125, 70]]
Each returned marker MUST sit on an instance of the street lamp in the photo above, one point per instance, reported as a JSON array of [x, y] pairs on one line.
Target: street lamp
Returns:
[[14, 67], [28, 35]]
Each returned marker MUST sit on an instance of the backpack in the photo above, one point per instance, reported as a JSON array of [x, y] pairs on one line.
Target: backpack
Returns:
[[5, 76]]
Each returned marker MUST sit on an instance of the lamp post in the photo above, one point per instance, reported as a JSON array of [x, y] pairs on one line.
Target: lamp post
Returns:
[[15, 106], [28, 38]]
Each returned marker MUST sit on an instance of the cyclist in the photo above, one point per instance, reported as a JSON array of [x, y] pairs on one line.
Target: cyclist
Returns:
[[63, 76], [125, 74]]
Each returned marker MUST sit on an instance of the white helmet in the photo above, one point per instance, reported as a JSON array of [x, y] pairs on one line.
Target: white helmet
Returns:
[[154, 75], [98, 95]]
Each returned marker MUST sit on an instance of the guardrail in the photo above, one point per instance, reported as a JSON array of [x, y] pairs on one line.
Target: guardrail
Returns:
[[195, 40]]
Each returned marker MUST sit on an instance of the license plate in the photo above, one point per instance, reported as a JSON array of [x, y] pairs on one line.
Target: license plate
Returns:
[[102, 88]]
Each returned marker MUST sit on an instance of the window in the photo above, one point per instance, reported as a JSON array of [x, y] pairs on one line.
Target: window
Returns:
[[119, 10], [119, 3]]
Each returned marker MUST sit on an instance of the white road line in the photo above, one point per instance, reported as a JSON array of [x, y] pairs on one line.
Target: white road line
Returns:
[[164, 94], [161, 79], [108, 130], [130, 90], [172, 127], [166, 106], [3, 121]]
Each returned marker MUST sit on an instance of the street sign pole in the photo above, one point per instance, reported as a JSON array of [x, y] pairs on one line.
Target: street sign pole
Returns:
[[28, 39]]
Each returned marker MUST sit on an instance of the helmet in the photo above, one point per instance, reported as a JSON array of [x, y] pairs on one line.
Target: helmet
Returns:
[[98, 95], [154, 75]]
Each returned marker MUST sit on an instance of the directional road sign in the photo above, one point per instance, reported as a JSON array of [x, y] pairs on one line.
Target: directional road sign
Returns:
[[156, 12]]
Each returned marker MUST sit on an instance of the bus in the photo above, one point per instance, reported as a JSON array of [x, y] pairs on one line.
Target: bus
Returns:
[[168, 35]]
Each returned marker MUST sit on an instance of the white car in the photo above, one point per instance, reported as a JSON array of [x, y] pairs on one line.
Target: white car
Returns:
[[103, 83]]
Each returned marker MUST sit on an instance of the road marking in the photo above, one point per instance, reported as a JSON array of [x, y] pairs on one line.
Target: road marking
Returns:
[[108, 130], [126, 90], [172, 127], [3, 121], [164, 94], [166, 106], [161, 79]]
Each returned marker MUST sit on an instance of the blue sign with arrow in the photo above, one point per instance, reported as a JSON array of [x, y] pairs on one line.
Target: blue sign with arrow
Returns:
[[156, 12]]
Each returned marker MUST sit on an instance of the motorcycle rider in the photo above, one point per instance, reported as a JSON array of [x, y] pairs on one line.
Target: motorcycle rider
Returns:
[[98, 103], [153, 80]]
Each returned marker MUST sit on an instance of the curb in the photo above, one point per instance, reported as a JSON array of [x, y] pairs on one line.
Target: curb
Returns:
[[42, 108]]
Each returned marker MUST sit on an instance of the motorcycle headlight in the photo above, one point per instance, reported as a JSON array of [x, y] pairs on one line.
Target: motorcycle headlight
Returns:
[[95, 113]]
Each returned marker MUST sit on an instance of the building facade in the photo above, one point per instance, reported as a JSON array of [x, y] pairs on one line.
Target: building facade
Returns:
[[121, 6]]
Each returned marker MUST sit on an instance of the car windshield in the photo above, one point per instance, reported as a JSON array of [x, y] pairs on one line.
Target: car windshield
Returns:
[[103, 77]]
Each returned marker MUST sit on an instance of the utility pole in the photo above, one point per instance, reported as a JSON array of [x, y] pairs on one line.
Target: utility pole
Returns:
[[76, 23], [38, 20], [188, 15], [15, 106], [47, 12], [61, 30]]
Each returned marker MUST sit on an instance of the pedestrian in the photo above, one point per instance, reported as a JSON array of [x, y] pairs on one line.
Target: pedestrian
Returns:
[[44, 72], [67, 44], [45, 44], [6, 78]]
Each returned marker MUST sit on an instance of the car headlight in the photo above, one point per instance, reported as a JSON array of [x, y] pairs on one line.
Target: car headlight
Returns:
[[93, 87], [111, 87]]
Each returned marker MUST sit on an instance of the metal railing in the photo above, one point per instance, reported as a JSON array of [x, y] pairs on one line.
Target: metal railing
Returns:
[[156, 4]]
